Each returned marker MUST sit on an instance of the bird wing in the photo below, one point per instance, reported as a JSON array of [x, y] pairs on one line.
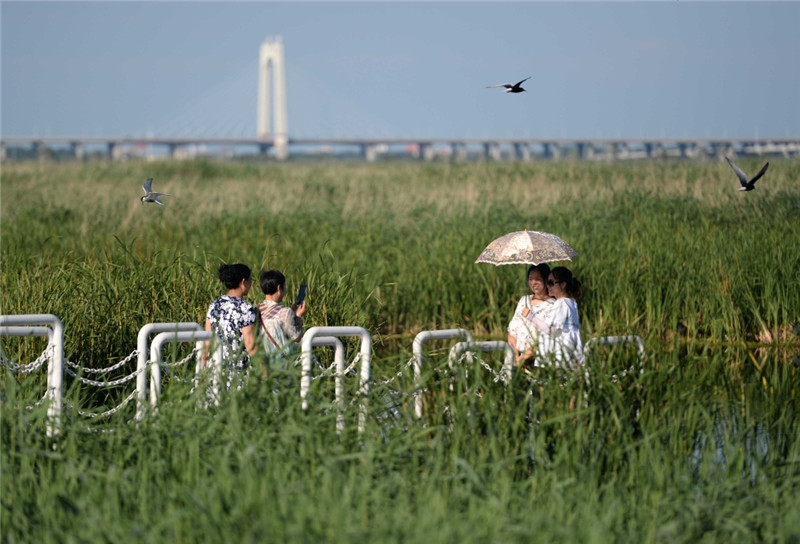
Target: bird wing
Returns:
[[523, 81], [760, 173], [148, 183], [506, 85], [156, 200], [156, 195], [739, 174]]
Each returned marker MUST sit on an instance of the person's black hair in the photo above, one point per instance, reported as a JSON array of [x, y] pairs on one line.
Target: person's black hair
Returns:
[[270, 280], [231, 275], [543, 268], [571, 284]]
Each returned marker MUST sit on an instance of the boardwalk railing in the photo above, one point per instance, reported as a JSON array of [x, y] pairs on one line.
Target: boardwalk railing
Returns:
[[419, 355], [365, 355], [20, 325], [48, 325]]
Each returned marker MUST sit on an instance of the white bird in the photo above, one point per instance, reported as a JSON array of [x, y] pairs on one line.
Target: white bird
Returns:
[[747, 185], [515, 88], [149, 195]]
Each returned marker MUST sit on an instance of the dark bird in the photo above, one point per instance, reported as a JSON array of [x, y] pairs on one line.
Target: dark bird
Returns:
[[149, 195], [515, 88], [747, 185]]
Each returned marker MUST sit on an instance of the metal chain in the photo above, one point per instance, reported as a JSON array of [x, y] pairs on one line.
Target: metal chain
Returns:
[[399, 373], [107, 413], [30, 367], [331, 370], [352, 365], [630, 370], [38, 403], [103, 370], [182, 361], [498, 377], [87, 381]]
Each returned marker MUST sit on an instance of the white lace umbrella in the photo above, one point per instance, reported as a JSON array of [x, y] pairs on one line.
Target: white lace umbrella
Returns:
[[527, 247]]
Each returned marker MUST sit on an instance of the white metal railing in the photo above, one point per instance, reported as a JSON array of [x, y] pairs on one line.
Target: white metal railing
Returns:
[[338, 361], [496, 345], [419, 356], [365, 355], [614, 341], [20, 325], [141, 365], [31, 325], [199, 337]]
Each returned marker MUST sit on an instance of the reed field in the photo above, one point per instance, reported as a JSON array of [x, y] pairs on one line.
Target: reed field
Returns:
[[699, 443]]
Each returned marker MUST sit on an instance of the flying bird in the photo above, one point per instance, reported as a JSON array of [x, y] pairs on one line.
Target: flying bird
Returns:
[[515, 88], [149, 195], [747, 185]]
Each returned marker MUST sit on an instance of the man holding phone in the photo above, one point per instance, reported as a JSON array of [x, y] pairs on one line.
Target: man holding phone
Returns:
[[281, 326]]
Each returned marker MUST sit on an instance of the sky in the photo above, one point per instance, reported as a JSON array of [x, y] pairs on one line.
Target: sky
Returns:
[[404, 69]]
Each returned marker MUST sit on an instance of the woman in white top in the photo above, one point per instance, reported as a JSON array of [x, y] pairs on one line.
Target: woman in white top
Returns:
[[522, 334], [560, 342]]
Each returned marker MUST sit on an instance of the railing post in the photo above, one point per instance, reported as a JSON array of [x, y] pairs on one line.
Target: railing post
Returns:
[[55, 370], [338, 359], [419, 356], [366, 354], [155, 355], [141, 364]]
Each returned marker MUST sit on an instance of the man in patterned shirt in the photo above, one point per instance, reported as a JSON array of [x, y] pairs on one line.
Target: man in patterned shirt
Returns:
[[282, 326]]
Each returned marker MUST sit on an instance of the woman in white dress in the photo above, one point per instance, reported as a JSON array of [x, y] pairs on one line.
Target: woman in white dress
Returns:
[[522, 334], [560, 342]]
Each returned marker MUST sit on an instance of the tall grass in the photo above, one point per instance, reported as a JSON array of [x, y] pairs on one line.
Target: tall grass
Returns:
[[671, 454], [392, 247], [700, 445]]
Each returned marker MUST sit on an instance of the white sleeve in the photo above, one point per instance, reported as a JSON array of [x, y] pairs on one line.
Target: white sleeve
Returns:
[[559, 315]]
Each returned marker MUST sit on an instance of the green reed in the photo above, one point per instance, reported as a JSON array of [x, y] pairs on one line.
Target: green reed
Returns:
[[660, 243], [668, 453], [699, 443]]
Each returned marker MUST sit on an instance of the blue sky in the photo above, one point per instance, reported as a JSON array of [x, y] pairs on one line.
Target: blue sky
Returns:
[[410, 69]]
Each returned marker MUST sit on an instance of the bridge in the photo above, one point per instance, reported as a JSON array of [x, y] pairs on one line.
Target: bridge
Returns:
[[273, 139], [372, 149]]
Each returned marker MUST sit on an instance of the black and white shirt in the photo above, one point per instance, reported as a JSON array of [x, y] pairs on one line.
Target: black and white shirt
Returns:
[[228, 316]]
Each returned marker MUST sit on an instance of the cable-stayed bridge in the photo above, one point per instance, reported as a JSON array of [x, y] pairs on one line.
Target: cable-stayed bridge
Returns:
[[209, 124]]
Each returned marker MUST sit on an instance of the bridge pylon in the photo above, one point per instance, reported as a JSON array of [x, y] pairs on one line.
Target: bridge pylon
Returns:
[[272, 92]]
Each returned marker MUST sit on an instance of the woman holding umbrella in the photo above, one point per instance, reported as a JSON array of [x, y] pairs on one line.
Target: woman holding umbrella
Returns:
[[537, 326], [523, 336], [560, 340]]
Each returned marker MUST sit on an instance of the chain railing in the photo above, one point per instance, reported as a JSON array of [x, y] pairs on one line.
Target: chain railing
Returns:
[[106, 370], [199, 337], [508, 360], [419, 356], [142, 362], [97, 383], [589, 348], [365, 356], [315, 336], [21, 325], [15, 368], [107, 413]]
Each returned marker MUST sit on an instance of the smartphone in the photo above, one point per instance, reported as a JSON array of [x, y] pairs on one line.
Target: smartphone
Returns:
[[301, 296]]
